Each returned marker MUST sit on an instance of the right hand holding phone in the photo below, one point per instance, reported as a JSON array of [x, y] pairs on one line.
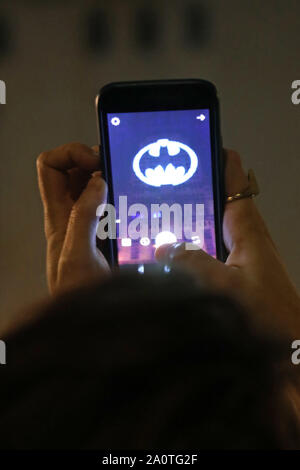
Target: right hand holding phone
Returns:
[[254, 271]]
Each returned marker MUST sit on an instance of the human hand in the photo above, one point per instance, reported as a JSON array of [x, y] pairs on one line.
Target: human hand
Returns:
[[71, 190], [254, 271]]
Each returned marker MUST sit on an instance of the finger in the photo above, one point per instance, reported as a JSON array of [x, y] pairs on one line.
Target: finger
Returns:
[[52, 170], [53, 179], [236, 179], [164, 253], [78, 179], [79, 228], [243, 227], [81, 231], [206, 268], [73, 155]]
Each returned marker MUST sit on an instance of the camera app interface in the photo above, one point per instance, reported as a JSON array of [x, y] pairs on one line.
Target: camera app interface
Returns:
[[162, 182]]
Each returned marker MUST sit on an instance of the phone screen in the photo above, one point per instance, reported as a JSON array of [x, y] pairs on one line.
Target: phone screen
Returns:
[[161, 158]]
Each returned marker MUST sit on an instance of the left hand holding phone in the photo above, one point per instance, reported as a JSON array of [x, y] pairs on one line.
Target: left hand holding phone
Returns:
[[71, 189]]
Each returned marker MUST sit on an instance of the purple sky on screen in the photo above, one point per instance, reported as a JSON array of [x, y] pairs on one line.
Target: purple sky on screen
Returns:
[[137, 130]]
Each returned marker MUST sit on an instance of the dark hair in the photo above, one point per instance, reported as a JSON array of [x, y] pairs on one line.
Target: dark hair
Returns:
[[143, 362]]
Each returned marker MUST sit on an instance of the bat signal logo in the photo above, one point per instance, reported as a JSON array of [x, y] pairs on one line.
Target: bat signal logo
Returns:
[[165, 162]]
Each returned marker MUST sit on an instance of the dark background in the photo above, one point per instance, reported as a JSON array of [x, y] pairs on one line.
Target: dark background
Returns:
[[54, 56]]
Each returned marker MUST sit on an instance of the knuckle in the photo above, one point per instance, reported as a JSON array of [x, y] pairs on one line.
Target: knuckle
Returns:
[[41, 159], [75, 146]]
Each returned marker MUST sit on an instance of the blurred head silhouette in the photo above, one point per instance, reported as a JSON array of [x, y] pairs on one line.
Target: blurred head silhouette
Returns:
[[141, 362]]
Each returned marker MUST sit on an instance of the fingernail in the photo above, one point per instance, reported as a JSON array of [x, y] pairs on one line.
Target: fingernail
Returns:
[[192, 246], [175, 249], [171, 251]]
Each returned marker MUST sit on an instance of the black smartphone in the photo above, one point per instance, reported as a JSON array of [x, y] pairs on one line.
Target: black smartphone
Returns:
[[161, 150]]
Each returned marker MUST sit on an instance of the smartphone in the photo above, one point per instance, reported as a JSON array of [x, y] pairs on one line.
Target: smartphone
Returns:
[[161, 149]]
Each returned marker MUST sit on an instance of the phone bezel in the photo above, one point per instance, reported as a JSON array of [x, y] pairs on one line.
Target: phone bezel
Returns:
[[164, 95]]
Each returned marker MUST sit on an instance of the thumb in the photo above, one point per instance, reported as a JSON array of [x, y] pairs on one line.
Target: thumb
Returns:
[[208, 270], [81, 231]]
